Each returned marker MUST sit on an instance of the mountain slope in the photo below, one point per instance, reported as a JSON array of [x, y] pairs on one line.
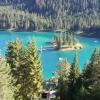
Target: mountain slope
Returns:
[[69, 14]]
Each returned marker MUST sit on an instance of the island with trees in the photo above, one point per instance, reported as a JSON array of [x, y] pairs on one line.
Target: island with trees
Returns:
[[21, 67], [66, 41]]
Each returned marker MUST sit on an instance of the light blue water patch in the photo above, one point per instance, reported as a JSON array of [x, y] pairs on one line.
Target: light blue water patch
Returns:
[[49, 58]]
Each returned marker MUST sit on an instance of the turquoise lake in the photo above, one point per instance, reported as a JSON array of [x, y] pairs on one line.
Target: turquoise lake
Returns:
[[49, 58]]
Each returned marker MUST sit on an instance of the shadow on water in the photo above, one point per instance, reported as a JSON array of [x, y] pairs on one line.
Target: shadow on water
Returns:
[[47, 43], [49, 50]]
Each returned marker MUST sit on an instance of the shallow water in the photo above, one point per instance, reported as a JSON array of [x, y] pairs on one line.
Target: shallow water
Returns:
[[49, 58]]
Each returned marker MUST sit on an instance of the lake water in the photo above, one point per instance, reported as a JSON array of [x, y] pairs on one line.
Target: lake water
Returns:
[[49, 58]]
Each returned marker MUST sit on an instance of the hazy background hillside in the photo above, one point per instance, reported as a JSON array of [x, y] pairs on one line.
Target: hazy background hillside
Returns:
[[53, 7], [32, 15]]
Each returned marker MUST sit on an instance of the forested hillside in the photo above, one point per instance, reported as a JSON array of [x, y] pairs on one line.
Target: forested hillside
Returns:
[[70, 14]]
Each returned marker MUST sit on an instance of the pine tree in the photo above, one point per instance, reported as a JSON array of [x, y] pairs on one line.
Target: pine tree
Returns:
[[63, 78], [13, 60], [12, 56], [92, 76], [34, 71], [92, 69], [6, 87], [74, 74], [25, 69], [81, 91]]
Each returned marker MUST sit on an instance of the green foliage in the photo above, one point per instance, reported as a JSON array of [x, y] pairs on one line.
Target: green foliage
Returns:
[[6, 87], [12, 55], [84, 86], [54, 14], [35, 73], [63, 78], [21, 20], [68, 82], [74, 75], [65, 39], [25, 69], [92, 76], [74, 71]]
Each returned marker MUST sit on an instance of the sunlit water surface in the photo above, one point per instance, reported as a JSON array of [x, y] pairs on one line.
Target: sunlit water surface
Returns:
[[49, 58]]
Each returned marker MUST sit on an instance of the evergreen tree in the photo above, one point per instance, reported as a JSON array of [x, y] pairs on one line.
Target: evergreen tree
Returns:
[[81, 93], [73, 77], [25, 69], [84, 86], [92, 69], [92, 76], [63, 78], [6, 87], [74, 73], [13, 60], [65, 39], [32, 15], [32, 73]]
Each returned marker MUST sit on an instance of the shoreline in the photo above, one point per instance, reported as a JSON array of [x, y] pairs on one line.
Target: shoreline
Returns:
[[77, 46], [89, 36], [83, 35], [45, 30]]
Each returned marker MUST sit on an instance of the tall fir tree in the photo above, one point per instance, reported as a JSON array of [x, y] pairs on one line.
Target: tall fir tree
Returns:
[[25, 69], [12, 56], [63, 78], [92, 68], [32, 73], [92, 76], [6, 86], [73, 77]]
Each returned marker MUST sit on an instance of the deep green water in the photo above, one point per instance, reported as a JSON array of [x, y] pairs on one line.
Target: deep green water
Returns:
[[49, 58]]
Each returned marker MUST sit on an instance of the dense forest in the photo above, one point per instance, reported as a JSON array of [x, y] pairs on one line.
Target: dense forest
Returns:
[[73, 85], [20, 72], [21, 75], [50, 15]]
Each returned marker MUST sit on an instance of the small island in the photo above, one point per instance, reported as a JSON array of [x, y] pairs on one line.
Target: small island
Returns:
[[66, 41]]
